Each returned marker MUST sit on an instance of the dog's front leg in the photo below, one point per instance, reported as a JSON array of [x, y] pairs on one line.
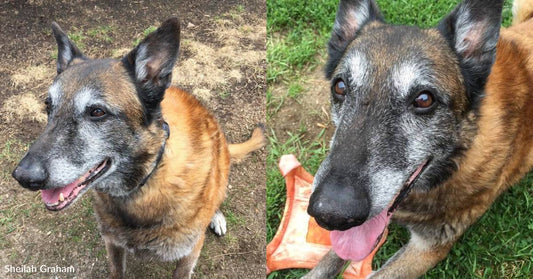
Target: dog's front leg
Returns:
[[185, 265], [413, 259], [117, 260], [328, 267]]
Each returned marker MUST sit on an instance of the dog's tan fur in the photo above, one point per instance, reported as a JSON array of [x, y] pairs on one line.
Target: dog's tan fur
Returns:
[[177, 203], [522, 11], [501, 153]]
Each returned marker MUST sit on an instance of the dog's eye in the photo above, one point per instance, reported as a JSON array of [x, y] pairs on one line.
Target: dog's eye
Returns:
[[96, 112], [423, 100], [340, 87]]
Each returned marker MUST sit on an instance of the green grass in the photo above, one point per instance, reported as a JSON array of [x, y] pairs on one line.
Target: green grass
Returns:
[[235, 13], [274, 104], [10, 154], [295, 90], [78, 38], [297, 31], [101, 33], [149, 30], [224, 93], [145, 33], [500, 245], [232, 219]]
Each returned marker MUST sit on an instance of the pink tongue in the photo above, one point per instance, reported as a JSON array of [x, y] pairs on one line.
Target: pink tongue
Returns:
[[358, 242], [51, 196]]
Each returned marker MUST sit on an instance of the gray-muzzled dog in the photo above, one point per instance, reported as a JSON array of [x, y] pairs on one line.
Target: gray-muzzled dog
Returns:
[[431, 126]]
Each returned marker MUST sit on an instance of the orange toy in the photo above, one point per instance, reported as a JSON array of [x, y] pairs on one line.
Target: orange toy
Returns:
[[299, 241]]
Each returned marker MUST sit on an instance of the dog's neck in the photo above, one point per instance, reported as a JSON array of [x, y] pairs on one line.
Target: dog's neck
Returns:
[[159, 154]]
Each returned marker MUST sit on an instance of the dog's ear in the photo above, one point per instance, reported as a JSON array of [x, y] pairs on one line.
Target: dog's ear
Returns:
[[66, 49], [150, 64], [472, 31], [351, 16]]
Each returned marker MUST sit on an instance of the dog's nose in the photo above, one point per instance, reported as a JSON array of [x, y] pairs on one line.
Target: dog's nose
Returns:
[[338, 208], [31, 173]]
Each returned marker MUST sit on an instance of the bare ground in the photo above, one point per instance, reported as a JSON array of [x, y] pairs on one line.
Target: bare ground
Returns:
[[221, 62], [308, 111]]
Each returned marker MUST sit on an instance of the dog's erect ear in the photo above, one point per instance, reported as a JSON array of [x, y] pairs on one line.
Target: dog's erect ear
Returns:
[[472, 31], [351, 16], [66, 49], [150, 64]]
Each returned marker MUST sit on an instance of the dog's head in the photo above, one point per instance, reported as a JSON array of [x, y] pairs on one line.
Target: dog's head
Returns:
[[402, 98], [104, 120]]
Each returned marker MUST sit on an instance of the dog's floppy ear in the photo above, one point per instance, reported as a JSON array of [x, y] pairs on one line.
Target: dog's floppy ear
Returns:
[[351, 16], [472, 31], [150, 64], [66, 49]]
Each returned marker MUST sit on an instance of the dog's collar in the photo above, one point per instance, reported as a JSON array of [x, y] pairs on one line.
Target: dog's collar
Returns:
[[159, 154]]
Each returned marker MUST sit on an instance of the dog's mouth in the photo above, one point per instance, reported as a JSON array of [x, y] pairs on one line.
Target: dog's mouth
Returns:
[[58, 198], [358, 242]]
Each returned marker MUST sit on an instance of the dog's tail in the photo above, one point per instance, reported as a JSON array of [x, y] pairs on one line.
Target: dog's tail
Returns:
[[239, 151], [522, 11]]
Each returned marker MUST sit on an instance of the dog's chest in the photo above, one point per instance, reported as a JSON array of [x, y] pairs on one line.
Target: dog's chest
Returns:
[[152, 245], [151, 240]]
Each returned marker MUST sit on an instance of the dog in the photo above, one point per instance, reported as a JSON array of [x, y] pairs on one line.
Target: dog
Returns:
[[431, 126], [155, 156]]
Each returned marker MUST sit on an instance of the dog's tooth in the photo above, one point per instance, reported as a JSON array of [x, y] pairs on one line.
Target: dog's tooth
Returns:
[[61, 197]]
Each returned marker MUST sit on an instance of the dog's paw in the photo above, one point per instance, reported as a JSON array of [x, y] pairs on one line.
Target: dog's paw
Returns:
[[218, 224]]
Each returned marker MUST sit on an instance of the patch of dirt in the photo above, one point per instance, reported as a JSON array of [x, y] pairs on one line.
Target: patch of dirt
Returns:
[[39, 74], [309, 109], [222, 61], [210, 69], [23, 106]]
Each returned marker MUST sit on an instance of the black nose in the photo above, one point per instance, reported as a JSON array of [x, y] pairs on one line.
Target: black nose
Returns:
[[31, 173], [338, 207]]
